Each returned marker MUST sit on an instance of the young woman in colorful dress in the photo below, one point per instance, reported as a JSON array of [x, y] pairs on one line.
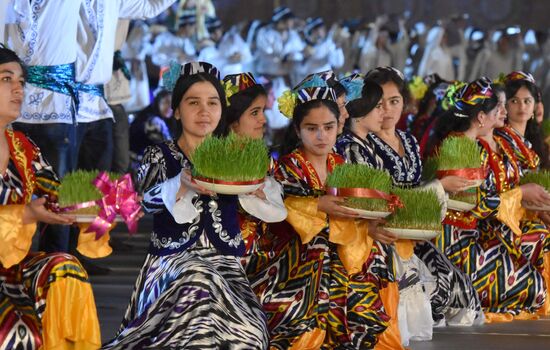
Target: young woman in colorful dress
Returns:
[[522, 132], [46, 299], [246, 100], [192, 291], [453, 300], [318, 274], [493, 244]]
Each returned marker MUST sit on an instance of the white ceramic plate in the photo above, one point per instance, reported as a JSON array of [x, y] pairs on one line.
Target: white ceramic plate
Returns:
[[90, 217], [459, 206], [406, 233], [475, 184], [367, 214], [228, 189]]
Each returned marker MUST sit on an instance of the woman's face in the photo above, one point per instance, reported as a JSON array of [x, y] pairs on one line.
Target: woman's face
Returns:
[[521, 106], [486, 122], [252, 121], [392, 104], [372, 121], [164, 106], [12, 84], [341, 101], [318, 131], [501, 107], [200, 109]]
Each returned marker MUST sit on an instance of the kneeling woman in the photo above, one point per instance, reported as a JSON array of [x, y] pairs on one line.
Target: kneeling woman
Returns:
[[315, 293], [192, 291], [46, 301], [499, 249]]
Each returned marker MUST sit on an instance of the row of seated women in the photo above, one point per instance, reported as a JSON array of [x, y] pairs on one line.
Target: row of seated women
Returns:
[[287, 267], [228, 272]]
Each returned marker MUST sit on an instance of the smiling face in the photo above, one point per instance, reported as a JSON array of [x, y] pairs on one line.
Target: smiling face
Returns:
[[392, 104], [521, 106], [318, 131], [252, 122], [12, 82], [200, 110]]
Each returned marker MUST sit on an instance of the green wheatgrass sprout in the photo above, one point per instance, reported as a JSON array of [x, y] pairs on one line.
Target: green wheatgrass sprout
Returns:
[[421, 210], [231, 158], [458, 152], [545, 126], [361, 176], [76, 187], [541, 177], [467, 196], [429, 168]]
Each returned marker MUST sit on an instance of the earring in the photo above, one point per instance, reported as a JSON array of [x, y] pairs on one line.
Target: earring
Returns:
[[480, 125], [533, 116]]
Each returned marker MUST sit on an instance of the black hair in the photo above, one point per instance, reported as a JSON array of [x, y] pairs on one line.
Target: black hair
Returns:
[[8, 56], [240, 102], [371, 94], [183, 84], [291, 140], [338, 88], [454, 120], [429, 96], [383, 76], [533, 132]]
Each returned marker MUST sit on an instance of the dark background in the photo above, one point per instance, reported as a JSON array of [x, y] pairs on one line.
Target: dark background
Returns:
[[484, 13]]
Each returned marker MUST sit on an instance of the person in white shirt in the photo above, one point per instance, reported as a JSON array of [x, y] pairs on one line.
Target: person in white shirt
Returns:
[[437, 56], [321, 54], [44, 35], [96, 39], [134, 51], [375, 52], [503, 54], [178, 46]]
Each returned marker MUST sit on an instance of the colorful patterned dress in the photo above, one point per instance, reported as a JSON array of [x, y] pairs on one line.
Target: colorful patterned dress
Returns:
[[306, 282], [454, 299], [501, 252], [528, 161], [45, 299], [192, 291]]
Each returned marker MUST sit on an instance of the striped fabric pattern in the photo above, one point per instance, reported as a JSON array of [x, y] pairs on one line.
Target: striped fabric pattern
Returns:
[[197, 299]]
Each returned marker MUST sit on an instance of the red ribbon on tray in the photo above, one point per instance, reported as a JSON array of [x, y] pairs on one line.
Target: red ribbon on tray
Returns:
[[393, 200], [467, 173], [119, 198]]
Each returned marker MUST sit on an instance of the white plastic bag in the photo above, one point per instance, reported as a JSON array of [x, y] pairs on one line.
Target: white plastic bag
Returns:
[[414, 310]]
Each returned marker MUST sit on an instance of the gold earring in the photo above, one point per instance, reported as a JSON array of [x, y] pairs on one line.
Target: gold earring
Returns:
[[480, 125]]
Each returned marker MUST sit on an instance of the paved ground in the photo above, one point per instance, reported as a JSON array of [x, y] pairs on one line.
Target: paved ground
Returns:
[[113, 292]]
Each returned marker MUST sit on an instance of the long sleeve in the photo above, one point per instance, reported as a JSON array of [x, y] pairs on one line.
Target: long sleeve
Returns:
[[151, 175], [504, 206], [488, 199], [159, 190], [47, 182], [15, 237], [271, 209]]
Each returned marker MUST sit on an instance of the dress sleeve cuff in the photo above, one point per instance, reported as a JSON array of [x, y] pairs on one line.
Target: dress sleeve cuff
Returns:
[[183, 209], [304, 217], [272, 209], [15, 236], [510, 211]]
